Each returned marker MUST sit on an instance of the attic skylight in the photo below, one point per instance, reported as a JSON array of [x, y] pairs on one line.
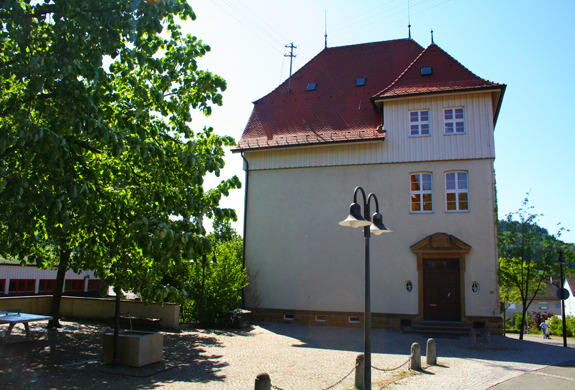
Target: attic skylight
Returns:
[[360, 82], [426, 71], [311, 86]]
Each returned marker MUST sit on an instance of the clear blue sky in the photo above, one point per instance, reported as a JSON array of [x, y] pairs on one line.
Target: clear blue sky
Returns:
[[525, 44]]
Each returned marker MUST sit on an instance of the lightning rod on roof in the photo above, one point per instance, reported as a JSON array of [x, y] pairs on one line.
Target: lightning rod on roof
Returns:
[[291, 56], [325, 29], [432, 36], [408, 21]]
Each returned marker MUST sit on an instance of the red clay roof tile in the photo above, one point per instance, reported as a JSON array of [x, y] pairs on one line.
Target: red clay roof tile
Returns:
[[447, 75], [338, 110]]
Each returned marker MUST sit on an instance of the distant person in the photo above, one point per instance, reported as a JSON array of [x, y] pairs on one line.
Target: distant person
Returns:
[[544, 327]]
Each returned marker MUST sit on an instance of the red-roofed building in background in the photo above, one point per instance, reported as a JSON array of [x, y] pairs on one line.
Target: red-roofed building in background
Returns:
[[413, 126]]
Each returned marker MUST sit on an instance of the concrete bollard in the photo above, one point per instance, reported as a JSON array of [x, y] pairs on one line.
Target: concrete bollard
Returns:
[[416, 357], [472, 338], [263, 382], [431, 353], [486, 334], [360, 361]]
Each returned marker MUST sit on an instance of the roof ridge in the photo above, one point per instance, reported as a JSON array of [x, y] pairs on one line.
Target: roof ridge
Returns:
[[370, 43]]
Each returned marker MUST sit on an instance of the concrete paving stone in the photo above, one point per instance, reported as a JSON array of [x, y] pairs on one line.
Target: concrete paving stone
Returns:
[[295, 356]]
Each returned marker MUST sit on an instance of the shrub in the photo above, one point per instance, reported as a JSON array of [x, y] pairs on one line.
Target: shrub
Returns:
[[557, 326], [517, 321], [223, 284]]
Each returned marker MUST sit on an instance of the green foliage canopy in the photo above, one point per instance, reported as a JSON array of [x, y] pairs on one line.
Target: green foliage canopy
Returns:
[[99, 166], [527, 257]]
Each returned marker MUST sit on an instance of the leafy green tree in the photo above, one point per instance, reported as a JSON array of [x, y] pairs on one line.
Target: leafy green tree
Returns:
[[224, 280], [508, 294], [527, 257], [99, 167]]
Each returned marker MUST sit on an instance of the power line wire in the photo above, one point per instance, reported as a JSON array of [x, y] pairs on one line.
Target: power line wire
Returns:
[[403, 18], [379, 20], [238, 11], [397, 20], [314, 36], [281, 36], [374, 22], [269, 44]]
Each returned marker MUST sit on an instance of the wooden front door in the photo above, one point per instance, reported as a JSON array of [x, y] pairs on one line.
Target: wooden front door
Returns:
[[441, 298]]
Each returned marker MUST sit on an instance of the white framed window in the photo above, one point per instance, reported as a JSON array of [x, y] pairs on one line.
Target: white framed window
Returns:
[[421, 193], [321, 318], [454, 120], [419, 123], [456, 191], [353, 319], [543, 305], [289, 317]]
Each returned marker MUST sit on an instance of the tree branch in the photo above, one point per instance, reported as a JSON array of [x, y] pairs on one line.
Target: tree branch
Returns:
[[26, 101], [84, 145], [98, 10], [170, 138], [11, 149]]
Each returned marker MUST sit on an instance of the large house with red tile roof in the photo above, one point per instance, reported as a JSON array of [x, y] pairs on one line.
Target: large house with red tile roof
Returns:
[[413, 126]]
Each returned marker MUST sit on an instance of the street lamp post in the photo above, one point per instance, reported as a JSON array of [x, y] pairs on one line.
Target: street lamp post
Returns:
[[355, 220], [204, 261], [561, 262]]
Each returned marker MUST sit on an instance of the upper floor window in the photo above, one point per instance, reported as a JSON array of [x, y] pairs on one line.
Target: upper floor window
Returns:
[[454, 120], [456, 191], [419, 122], [421, 196]]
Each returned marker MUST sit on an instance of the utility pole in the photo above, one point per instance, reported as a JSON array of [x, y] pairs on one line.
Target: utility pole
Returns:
[[291, 55]]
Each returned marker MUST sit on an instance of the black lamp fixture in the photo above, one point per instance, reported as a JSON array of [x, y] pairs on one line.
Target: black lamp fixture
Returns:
[[563, 294], [373, 224]]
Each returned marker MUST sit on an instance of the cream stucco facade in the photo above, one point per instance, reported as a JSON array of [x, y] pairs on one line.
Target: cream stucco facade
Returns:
[[303, 260]]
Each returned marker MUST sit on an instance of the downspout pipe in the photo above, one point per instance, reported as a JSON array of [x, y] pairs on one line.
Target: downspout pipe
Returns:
[[247, 169]]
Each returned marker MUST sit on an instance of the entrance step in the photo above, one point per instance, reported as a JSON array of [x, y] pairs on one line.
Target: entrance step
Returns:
[[440, 328]]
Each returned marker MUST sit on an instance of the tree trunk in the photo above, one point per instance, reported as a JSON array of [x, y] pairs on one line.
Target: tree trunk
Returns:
[[523, 313], [504, 321], [57, 296]]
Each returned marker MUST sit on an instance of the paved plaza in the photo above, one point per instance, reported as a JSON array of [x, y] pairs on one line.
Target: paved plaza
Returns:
[[295, 356]]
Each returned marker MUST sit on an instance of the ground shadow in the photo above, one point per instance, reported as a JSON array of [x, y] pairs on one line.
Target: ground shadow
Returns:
[[71, 358], [387, 341]]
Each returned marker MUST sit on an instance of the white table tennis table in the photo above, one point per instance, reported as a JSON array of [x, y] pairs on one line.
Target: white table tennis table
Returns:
[[14, 317]]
